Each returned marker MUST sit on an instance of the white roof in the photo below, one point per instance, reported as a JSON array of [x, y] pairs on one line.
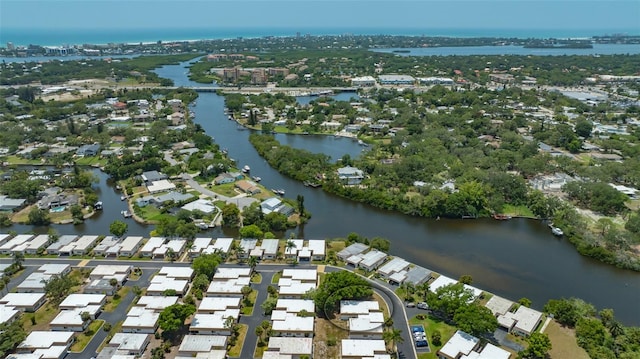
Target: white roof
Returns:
[[107, 270], [362, 347], [77, 300], [161, 283], [228, 286], [298, 244], [490, 351], [212, 354], [73, 316], [223, 244], [7, 313], [85, 242], [290, 322], [202, 321], [152, 243], [38, 241], [176, 272], [498, 305], [288, 286], [106, 243], [393, 266], [371, 323], [141, 319], [270, 246], [295, 305], [353, 249], [45, 339], [199, 244], [317, 246], [21, 299], [202, 205], [299, 346], [218, 303], [227, 273], [61, 242], [526, 318], [358, 306], [129, 341], [34, 282], [160, 186], [202, 343], [372, 257], [300, 274], [52, 269], [15, 241], [460, 343], [156, 303], [130, 243], [248, 244]]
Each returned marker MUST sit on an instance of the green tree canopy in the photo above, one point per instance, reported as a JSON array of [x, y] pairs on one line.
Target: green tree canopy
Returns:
[[475, 320], [172, 317], [206, 264], [118, 228], [338, 286]]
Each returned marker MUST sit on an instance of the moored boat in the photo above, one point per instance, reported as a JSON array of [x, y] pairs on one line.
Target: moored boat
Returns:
[[246, 169]]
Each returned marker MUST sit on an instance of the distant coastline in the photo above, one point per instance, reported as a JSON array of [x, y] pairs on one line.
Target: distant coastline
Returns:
[[59, 37]]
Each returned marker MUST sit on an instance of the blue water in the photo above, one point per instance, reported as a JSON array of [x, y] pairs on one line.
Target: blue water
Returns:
[[56, 37], [598, 49]]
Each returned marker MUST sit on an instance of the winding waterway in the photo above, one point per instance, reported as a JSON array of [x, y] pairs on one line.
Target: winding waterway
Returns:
[[513, 259]]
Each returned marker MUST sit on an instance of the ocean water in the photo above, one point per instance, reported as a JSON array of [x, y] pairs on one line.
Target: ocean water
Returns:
[[57, 37]]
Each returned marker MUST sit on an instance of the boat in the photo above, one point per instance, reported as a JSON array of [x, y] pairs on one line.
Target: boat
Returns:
[[279, 192], [98, 206], [246, 169], [557, 231], [501, 217], [202, 225], [126, 214], [122, 198], [256, 178]]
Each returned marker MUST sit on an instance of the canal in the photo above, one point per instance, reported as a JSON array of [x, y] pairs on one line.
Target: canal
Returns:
[[514, 259]]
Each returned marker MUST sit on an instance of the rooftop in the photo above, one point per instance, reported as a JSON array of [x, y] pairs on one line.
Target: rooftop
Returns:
[[460, 343], [362, 347]]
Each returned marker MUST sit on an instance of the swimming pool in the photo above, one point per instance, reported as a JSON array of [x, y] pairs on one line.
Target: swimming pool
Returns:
[[57, 209]]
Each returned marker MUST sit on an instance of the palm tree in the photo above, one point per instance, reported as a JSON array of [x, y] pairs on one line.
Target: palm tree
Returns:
[[393, 336], [171, 254], [114, 283], [18, 259], [253, 262]]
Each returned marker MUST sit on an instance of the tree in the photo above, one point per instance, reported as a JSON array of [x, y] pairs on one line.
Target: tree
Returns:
[[604, 224], [114, 283], [568, 311], [633, 223], [18, 259], [525, 302], [172, 255], [381, 244], [339, 286], [539, 346], [436, 338], [583, 128], [393, 336], [269, 305], [58, 287], [251, 231], [246, 290], [475, 320], [85, 316], [118, 228], [448, 299], [39, 217], [11, 334], [172, 318], [466, 279], [206, 264], [231, 215], [5, 220], [253, 262], [300, 200]]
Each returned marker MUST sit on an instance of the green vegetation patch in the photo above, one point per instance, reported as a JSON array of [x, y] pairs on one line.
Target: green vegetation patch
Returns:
[[85, 337]]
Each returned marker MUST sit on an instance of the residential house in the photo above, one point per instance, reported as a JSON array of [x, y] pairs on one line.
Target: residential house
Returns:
[[350, 175]]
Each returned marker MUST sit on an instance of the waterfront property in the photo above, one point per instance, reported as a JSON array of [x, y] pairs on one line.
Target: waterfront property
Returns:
[[350, 175], [463, 345]]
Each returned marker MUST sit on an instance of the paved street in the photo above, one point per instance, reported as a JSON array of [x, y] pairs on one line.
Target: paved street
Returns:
[[406, 349]]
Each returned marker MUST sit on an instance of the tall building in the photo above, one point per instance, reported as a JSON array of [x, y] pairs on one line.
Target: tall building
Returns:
[[10, 46]]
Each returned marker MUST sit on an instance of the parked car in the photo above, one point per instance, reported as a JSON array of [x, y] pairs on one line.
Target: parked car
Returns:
[[411, 305], [422, 343], [423, 305]]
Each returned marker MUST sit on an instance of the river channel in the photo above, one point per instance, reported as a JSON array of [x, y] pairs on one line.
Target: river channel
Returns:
[[514, 259]]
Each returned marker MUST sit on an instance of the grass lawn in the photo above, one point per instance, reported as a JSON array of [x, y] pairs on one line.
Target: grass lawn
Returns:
[[563, 342], [336, 246], [82, 339], [227, 189], [517, 211], [114, 329], [78, 276], [113, 303], [327, 338], [431, 325], [15, 160], [150, 213], [235, 350], [276, 277], [43, 316], [256, 278], [248, 309], [89, 161], [382, 304]]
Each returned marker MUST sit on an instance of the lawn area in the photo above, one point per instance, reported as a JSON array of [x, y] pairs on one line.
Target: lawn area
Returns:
[[256, 278], [336, 246], [89, 161], [235, 350], [431, 325], [248, 309], [276, 277], [113, 303], [15, 160], [82, 339], [78, 276], [43, 316], [382, 304], [563, 342], [150, 213], [227, 189], [327, 339], [522, 211]]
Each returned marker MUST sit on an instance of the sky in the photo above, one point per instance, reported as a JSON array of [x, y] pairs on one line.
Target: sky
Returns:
[[226, 14]]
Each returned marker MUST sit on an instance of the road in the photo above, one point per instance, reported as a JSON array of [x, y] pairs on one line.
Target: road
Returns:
[[397, 311]]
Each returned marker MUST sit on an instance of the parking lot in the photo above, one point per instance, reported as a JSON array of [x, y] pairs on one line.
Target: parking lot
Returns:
[[420, 339]]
